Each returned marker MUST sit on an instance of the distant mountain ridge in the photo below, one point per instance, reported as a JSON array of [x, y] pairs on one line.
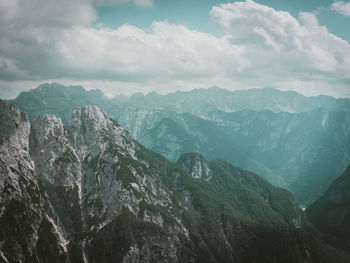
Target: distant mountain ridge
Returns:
[[201, 101], [302, 151], [85, 191], [57, 99]]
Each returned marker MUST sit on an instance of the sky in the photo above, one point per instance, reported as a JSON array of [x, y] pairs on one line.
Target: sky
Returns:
[[128, 46]]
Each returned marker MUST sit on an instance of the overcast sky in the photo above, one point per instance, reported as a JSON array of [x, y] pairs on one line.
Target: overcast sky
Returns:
[[128, 46]]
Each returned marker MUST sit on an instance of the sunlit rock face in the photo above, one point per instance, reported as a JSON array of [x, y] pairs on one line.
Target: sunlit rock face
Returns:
[[196, 166], [85, 191], [28, 231]]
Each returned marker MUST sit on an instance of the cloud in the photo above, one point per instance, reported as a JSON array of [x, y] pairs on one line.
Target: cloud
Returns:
[[278, 39], [42, 13], [165, 51], [30, 31], [144, 3], [258, 47], [341, 7]]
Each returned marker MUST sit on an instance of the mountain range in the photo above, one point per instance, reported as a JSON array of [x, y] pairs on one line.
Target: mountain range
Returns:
[[202, 102], [85, 191], [296, 142]]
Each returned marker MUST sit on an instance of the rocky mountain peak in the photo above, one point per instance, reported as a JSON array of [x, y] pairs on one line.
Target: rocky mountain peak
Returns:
[[27, 230], [47, 127], [90, 129], [90, 121], [17, 116], [89, 113], [48, 143], [14, 126]]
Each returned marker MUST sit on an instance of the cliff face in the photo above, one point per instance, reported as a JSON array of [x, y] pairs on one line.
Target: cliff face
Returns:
[[84, 191], [28, 228]]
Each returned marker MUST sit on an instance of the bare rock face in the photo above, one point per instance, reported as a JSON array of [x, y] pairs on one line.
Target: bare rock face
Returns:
[[84, 191], [196, 166], [28, 232], [92, 176]]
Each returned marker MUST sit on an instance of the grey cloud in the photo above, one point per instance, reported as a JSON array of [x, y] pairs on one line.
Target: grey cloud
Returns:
[[144, 3], [30, 31], [43, 40]]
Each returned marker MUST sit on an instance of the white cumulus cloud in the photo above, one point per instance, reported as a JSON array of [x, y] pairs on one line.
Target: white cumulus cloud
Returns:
[[276, 37], [342, 7], [165, 51]]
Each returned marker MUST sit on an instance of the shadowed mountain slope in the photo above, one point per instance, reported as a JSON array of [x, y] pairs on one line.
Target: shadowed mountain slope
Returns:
[[331, 213]]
